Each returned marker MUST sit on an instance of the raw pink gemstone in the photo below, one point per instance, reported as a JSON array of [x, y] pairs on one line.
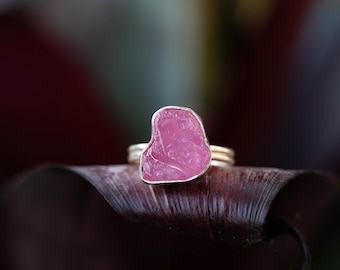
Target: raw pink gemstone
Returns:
[[178, 150]]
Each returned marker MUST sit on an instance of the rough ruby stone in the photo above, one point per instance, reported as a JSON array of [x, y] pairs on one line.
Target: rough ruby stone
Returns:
[[178, 150]]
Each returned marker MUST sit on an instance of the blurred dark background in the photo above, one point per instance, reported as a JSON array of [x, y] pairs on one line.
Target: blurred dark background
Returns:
[[79, 80]]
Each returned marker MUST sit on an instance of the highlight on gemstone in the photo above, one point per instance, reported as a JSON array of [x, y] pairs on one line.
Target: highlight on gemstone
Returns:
[[178, 150]]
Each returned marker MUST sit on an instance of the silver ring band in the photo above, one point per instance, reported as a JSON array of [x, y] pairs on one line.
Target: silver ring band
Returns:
[[219, 155]]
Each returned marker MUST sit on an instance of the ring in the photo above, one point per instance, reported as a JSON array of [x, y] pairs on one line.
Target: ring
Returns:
[[179, 150]]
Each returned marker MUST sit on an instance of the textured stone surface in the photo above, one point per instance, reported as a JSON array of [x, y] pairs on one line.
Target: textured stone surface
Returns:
[[178, 150]]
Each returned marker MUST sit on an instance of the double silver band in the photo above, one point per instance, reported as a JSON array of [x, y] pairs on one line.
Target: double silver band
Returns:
[[220, 156]]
